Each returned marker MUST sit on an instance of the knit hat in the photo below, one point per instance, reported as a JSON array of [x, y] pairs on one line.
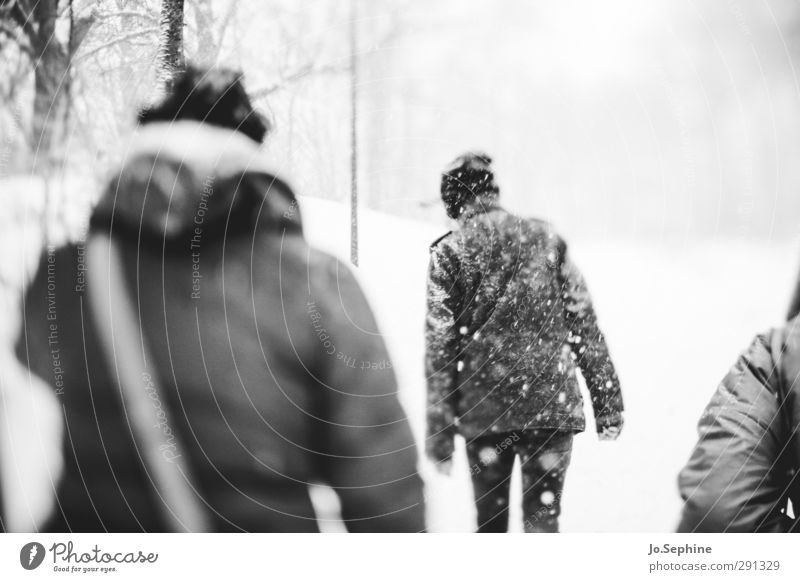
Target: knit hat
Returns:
[[466, 179], [215, 96]]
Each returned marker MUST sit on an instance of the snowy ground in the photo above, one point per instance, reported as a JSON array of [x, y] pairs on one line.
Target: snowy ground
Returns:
[[675, 316]]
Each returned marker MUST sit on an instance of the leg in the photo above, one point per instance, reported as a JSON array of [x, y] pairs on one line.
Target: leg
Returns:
[[544, 459], [490, 469]]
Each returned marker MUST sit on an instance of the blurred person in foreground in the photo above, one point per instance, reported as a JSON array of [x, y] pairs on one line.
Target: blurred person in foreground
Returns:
[[742, 473], [257, 339], [509, 323]]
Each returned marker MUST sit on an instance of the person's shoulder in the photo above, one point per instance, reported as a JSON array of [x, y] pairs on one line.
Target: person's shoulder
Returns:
[[777, 345], [336, 288], [783, 347], [758, 361], [552, 240], [543, 226], [321, 261], [439, 242], [332, 271]]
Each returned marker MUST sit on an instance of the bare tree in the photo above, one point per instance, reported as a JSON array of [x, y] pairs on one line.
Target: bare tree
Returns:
[[209, 30], [32, 25]]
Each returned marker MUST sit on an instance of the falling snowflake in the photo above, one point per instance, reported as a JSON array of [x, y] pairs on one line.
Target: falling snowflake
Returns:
[[487, 455]]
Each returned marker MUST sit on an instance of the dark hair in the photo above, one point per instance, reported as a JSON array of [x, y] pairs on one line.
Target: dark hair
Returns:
[[214, 96], [467, 178]]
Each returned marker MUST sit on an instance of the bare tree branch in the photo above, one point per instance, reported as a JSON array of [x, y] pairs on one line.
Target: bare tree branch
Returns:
[[303, 72], [206, 40], [115, 41], [128, 14], [23, 20], [22, 41], [80, 29], [224, 26]]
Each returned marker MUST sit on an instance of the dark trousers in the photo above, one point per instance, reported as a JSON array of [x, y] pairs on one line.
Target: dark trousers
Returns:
[[544, 457]]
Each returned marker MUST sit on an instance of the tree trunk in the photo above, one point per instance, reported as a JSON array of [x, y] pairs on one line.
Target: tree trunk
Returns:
[[170, 52], [49, 95], [51, 80], [353, 133]]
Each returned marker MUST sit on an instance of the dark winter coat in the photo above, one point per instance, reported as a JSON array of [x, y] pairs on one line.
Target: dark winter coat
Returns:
[[740, 473], [509, 322], [260, 349]]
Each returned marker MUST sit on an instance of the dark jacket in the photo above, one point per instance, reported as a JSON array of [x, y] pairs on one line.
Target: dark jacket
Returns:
[[509, 322], [260, 343], [740, 473]]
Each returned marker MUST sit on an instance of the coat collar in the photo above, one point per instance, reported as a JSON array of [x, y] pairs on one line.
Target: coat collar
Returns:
[[481, 205]]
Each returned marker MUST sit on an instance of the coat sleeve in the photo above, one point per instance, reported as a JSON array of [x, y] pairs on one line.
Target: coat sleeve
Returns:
[[441, 356], [589, 347], [369, 452], [731, 482]]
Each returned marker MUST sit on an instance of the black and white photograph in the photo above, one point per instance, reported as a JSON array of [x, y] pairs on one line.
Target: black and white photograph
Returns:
[[393, 266]]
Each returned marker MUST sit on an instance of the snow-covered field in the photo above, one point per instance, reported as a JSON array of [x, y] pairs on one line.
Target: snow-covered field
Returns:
[[675, 316]]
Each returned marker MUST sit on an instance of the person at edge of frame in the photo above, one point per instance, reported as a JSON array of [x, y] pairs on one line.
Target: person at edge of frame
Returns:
[[249, 328], [742, 474]]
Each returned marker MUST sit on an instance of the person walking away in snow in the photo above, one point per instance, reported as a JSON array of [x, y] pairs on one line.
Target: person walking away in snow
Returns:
[[742, 473], [509, 321], [246, 327]]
